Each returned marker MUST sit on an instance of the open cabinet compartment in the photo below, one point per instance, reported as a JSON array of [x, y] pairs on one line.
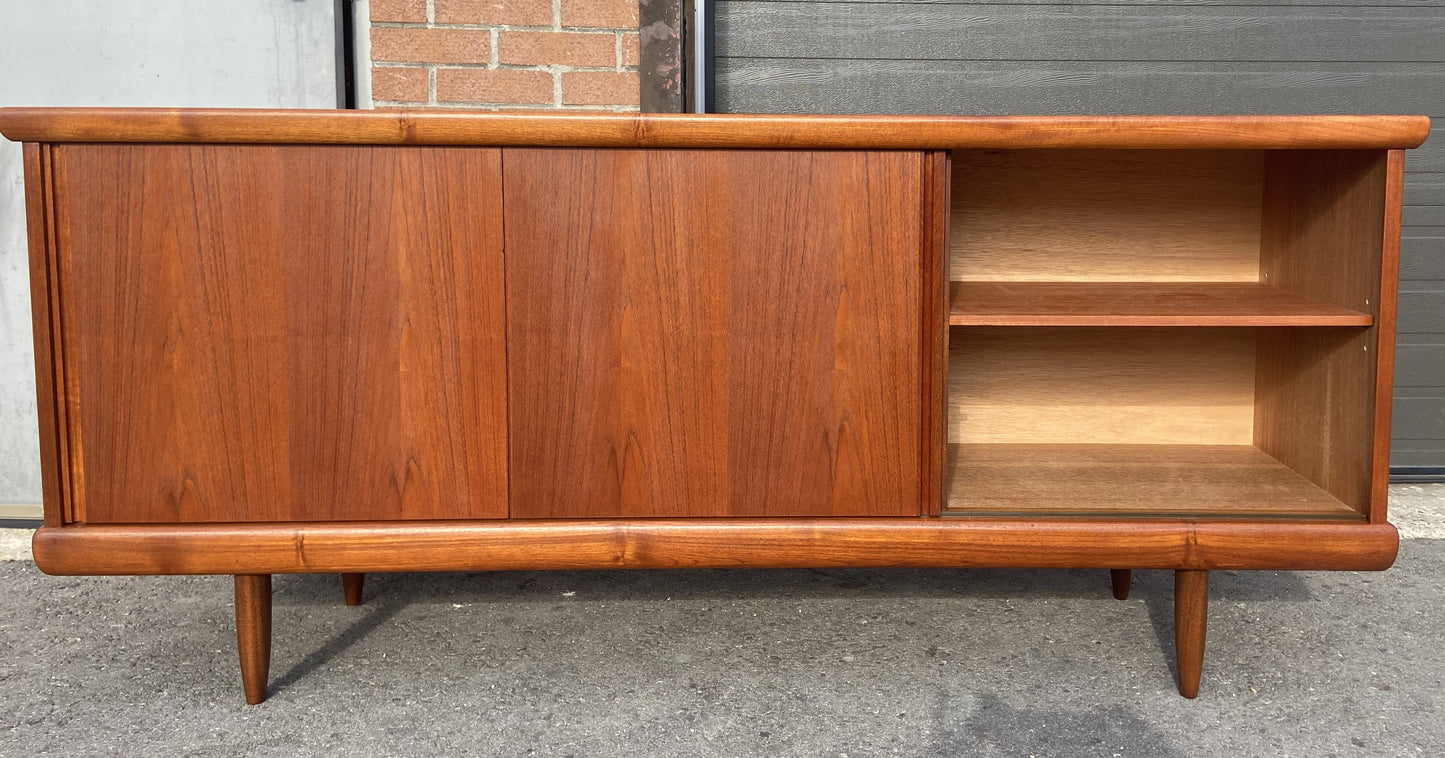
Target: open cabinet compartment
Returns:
[[1170, 333]]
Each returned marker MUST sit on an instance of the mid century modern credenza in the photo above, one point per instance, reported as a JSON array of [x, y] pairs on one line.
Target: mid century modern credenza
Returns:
[[272, 342]]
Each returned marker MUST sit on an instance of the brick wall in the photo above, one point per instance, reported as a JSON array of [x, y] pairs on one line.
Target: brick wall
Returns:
[[505, 53]]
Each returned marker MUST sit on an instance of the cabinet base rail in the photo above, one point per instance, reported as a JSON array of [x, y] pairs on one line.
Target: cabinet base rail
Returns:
[[355, 547]]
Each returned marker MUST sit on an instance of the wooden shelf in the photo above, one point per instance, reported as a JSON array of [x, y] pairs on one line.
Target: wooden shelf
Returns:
[[1187, 481], [1140, 304]]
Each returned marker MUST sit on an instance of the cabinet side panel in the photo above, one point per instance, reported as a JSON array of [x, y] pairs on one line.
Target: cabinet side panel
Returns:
[[1322, 227], [1385, 339], [45, 321], [261, 333], [698, 333]]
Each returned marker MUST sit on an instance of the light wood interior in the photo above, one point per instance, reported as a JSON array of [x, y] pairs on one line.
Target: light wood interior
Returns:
[[1132, 480], [1141, 304], [1318, 391], [1106, 215], [1101, 385], [1178, 331]]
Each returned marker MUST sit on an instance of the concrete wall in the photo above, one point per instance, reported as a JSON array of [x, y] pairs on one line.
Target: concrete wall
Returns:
[[224, 53]]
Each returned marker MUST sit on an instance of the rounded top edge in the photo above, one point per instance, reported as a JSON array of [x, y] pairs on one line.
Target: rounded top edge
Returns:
[[572, 129]]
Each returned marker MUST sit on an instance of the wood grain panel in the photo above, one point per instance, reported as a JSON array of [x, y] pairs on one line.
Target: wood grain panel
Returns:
[[1419, 362], [1133, 385], [274, 333], [1417, 417], [1424, 188], [713, 333], [1065, 215], [1430, 156], [994, 31], [1323, 236], [1424, 215], [995, 87], [1422, 254], [1420, 458], [1422, 308], [529, 545], [1161, 481]]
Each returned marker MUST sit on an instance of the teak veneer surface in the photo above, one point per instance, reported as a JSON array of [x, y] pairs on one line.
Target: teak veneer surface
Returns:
[[713, 333], [260, 333], [1195, 481], [708, 131], [531, 544], [1141, 304]]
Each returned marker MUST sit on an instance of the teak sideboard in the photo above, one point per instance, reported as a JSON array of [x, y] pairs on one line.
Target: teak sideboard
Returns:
[[280, 341]]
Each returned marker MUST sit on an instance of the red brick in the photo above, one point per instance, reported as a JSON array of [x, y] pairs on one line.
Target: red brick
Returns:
[[557, 48], [599, 88], [630, 53], [475, 85], [510, 12], [400, 84], [604, 13], [430, 45], [413, 11]]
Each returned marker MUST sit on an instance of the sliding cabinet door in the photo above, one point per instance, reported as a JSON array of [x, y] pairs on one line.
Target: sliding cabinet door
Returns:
[[713, 333], [271, 333]]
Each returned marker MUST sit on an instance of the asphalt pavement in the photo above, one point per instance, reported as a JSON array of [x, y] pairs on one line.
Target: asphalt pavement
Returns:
[[736, 663]]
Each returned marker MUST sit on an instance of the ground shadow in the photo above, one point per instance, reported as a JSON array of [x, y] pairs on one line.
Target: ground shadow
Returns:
[[379, 611], [388, 594], [790, 584]]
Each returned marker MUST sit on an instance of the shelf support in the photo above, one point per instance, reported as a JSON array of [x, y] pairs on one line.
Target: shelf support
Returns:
[[1121, 579], [253, 633], [1191, 607], [351, 587]]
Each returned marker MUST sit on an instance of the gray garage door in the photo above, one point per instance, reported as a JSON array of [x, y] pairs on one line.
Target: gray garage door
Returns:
[[1128, 56]]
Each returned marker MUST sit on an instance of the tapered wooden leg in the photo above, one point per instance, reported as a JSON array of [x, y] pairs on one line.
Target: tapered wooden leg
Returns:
[[253, 633], [1191, 607], [1121, 578], [351, 586]]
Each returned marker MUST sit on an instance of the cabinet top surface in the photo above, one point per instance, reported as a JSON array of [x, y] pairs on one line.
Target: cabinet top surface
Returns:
[[564, 129]]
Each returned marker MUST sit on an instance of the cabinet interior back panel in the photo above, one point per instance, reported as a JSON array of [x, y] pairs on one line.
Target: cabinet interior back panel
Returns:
[[1106, 215], [1083, 385]]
